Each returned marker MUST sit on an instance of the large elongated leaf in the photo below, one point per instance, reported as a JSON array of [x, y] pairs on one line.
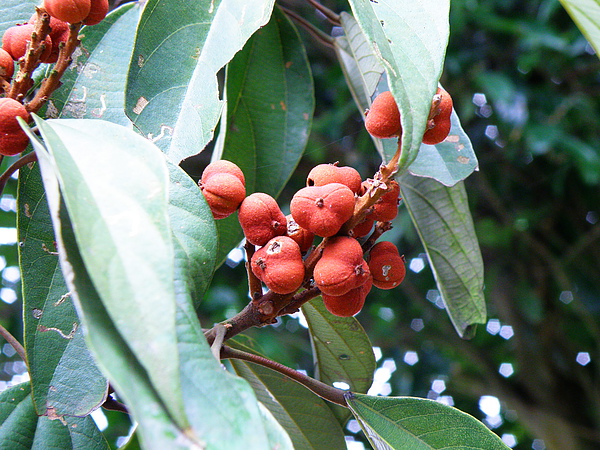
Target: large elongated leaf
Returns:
[[448, 162], [306, 417], [93, 87], [586, 14], [443, 220], [410, 39], [395, 423], [22, 429], [172, 90], [270, 103], [342, 351], [64, 377]]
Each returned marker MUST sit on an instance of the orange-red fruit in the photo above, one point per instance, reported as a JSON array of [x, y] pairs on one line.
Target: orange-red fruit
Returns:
[[223, 166], [363, 228], [323, 210], [16, 38], [302, 236], [387, 266], [350, 303], [279, 265], [98, 11], [261, 219], [71, 11], [331, 173], [7, 66], [341, 267], [224, 193], [13, 139], [439, 126], [383, 118], [386, 208], [59, 33]]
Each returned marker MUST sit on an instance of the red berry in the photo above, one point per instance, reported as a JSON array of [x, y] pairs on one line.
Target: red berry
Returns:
[[383, 118], [386, 208], [7, 65], [223, 166], [13, 139], [350, 303], [71, 11], [302, 236], [224, 193], [279, 265], [439, 124], [331, 173], [386, 265], [261, 219], [16, 39], [98, 11]]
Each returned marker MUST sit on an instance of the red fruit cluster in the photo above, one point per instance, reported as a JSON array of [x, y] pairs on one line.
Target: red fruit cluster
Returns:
[[284, 261], [90, 12]]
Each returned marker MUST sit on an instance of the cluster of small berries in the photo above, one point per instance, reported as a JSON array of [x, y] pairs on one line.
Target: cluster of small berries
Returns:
[[383, 119], [17, 43], [324, 208]]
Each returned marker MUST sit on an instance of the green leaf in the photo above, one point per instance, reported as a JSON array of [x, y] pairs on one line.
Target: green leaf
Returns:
[[278, 437], [13, 12], [444, 223], [194, 231], [448, 162], [64, 377], [342, 351], [397, 423], [122, 229], [305, 416], [93, 86], [586, 14], [22, 429], [172, 90], [265, 130], [410, 40]]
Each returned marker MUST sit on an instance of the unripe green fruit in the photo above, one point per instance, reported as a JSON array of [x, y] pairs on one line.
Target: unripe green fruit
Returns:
[[13, 139], [16, 39], [438, 127], [7, 65], [98, 11], [71, 11], [261, 219], [341, 267], [279, 265], [350, 303], [383, 118], [323, 210], [331, 173], [224, 193], [386, 265]]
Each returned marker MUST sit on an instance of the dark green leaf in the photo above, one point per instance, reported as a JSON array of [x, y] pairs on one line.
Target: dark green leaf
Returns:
[[586, 14], [64, 377], [397, 423], [22, 429], [342, 350], [444, 223], [305, 416], [264, 130], [410, 39], [172, 91], [93, 86]]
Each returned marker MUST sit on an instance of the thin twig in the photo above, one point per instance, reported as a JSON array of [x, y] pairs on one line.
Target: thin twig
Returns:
[[323, 390], [319, 35], [23, 161], [332, 17], [13, 342]]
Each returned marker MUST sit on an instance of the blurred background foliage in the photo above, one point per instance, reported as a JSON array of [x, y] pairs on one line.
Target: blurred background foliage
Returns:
[[526, 86]]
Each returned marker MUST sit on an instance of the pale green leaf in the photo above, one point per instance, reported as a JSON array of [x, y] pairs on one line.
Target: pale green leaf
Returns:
[[13, 12], [586, 14]]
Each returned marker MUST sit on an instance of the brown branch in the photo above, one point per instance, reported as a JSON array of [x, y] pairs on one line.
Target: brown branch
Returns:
[[319, 35], [332, 17], [323, 390], [13, 342], [28, 158]]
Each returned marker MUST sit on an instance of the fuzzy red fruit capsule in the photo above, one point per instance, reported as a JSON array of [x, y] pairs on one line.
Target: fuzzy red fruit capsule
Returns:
[[332, 173], [387, 266], [224, 193], [7, 65], [98, 11], [17, 38], [323, 210], [383, 118], [223, 166], [386, 209], [363, 228], [302, 236], [13, 139], [439, 123], [341, 267], [350, 303], [71, 11], [261, 219], [279, 265]]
